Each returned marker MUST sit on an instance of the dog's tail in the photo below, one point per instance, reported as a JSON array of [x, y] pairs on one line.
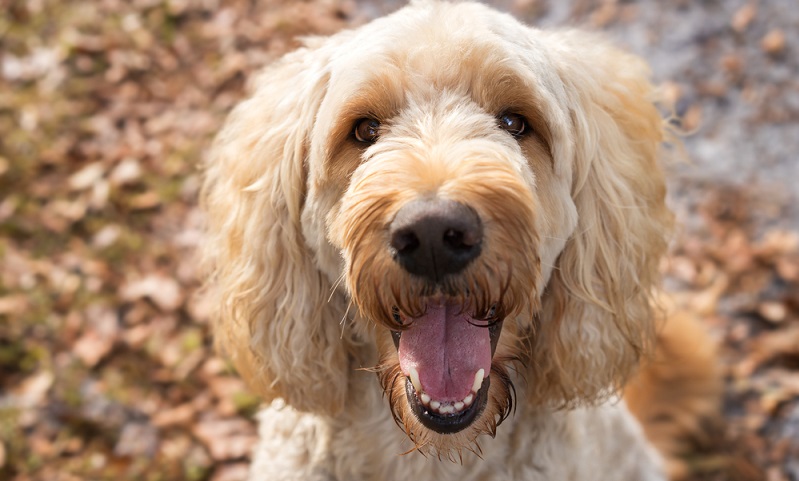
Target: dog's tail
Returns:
[[677, 394]]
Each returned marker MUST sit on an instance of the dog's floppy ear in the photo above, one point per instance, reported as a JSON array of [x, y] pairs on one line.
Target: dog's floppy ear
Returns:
[[271, 308], [597, 317]]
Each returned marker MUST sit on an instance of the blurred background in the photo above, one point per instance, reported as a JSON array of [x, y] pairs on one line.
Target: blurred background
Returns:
[[107, 108]]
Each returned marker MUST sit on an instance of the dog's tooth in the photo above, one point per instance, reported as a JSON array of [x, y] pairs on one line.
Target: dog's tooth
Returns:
[[478, 380], [415, 380], [425, 398], [459, 406], [435, 404], [447, 409], [468, 400]]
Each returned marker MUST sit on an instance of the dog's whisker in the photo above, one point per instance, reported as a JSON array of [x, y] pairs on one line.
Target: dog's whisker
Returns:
[[335, 285], [555, 238], [344, 318]]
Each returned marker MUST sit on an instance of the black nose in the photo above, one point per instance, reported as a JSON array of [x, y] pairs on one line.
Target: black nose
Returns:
[[435, 238]]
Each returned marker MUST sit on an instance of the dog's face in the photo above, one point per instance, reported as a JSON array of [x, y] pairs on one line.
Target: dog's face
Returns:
[[437, 185], [488, 195]]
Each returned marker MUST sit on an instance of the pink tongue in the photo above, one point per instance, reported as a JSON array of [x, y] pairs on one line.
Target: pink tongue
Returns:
[[446, 350]]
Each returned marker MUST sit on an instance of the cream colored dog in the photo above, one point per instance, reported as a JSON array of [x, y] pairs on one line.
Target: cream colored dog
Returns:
[[470, 208]]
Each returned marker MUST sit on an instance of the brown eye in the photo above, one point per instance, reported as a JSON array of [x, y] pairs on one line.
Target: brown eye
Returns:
[[514, 124], [366, 130]]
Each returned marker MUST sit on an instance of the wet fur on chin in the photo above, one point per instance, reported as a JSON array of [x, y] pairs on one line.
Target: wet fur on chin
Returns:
[[302, 284]]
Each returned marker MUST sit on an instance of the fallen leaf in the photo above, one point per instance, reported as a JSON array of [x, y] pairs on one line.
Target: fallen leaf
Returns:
[[788, 268], [32, 391], [145, 201], [178, 415], [226, 438], [127, 172], [692, 118], [164, 291], [106, 236], [100, 334], [137, 439], [774, 42], [87, 176], [13, 304], [777, 243], [773, 311], [773, 344], [231, 472], [743, 17]]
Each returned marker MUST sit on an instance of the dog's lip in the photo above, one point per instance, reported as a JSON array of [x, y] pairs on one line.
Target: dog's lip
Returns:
[[447, 423]]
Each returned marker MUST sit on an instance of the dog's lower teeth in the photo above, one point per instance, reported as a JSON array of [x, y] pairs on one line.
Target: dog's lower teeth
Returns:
[[446, 407]]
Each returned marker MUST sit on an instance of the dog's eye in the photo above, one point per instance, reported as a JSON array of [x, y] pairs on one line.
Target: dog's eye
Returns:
[[514, 124], [366, 130]]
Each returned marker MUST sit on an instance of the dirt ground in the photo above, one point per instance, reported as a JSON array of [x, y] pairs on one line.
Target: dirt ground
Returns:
[[107, 108]]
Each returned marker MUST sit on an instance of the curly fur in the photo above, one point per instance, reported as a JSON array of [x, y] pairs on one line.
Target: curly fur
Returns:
[[575, 226]]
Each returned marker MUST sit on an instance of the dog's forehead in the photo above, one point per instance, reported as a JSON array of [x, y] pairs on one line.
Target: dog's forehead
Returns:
[[434, 45]]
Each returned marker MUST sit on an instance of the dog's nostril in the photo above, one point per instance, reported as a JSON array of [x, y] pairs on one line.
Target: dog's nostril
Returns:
[[404, 241], [453, 238], [460, 240]]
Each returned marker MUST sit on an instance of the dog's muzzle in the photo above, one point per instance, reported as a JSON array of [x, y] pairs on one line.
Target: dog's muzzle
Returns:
[[446, 351]]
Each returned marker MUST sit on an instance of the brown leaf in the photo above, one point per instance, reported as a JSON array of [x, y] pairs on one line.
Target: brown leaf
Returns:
[[87, 176], [128, 171], [774, 42], [777, 243], [13, 304], [32, 391], [788, 268], [106, 236], [137, 439], [692, 119], [231, 472], [71, 211], [773, 311], [226, 438], [164, 291], [182, 414], [736, 252], [145, 201], [100, 334], [743, 17], [773, 344], [732, 63]]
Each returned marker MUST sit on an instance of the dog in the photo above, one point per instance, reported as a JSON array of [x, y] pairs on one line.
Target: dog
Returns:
[[434, 245]]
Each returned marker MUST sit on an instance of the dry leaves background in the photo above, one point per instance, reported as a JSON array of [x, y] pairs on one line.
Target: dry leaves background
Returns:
[[106, 109]]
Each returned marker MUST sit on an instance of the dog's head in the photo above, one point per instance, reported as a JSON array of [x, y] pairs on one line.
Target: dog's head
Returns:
[[486, 196]]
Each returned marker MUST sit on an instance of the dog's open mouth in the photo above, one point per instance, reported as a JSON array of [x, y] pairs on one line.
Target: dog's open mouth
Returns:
[[445, 355]]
